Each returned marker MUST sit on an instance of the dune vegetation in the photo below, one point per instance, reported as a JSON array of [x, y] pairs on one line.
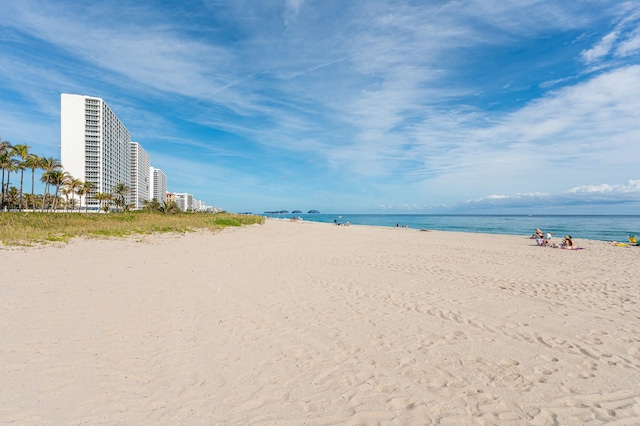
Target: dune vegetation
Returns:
[[32, 228]]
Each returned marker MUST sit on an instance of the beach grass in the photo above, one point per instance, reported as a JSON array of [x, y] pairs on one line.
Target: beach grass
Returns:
[[32, 228]]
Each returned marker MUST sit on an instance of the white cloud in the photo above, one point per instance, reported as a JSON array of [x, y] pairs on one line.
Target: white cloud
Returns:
[[519, 196], [373, 94], [594, 199], [291, 10], [494, 197], [629, 46], [154, 55], [601, 49], [623, 41], [630, 187]]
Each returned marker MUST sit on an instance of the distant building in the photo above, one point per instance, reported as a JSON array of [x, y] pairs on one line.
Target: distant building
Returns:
[[170, 197], [158, 187], [183, 200], [140, 176], [96, 147], [186, 202], [94, 144], [198, 205]]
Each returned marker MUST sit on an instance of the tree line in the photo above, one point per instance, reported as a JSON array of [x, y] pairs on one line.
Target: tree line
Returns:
[[60, 188]]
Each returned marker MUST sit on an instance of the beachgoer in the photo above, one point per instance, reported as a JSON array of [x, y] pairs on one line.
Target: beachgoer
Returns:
[[567, 242], [537, 234], [546, 241]]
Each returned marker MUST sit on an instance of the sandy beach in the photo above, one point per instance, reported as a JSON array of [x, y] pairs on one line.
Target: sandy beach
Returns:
[[292, 323]]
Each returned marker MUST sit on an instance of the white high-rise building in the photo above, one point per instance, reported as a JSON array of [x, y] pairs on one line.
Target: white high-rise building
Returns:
[[95, 145], [158, 185], [184, 201], [140, 176]]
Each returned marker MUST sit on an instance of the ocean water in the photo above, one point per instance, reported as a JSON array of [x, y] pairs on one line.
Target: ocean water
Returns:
[[604, 228]]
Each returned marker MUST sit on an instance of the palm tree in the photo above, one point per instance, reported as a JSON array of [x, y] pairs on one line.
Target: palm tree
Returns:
[[45, 194], [5, 146], [5, 162], [169, 207], [5, 151], [121, 191], [103, 197], [85, 190], [70, 203], [151, 205], [52, 178], [36, 201], [74, 185], [11, 165], [66, 190], [12, 197], [33, 162], [22, 151], [58, 177], [49, 165]]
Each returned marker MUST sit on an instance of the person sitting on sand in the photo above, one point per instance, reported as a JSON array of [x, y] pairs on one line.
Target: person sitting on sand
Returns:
[[546, 241], [537, 234]]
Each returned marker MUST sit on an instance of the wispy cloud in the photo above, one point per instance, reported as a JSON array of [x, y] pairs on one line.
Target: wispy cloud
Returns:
[[596, 198], [414, 105], [630, 187], [600, 50], [291, 9]]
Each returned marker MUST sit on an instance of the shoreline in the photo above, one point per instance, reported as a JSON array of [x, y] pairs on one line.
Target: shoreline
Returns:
[[593, 227], [589, 242], [296, 322]]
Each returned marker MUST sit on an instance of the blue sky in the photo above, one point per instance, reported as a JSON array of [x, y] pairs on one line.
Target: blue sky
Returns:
[[346, 106]]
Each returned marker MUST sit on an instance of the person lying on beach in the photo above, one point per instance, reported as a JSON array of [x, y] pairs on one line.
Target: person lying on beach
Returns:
[[619, 244], [567, 242]]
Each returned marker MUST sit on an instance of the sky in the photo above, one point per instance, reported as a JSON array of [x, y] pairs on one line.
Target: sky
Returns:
[[348, 106]]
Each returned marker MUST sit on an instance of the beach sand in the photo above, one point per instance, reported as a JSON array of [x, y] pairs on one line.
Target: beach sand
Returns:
[[292, 323]]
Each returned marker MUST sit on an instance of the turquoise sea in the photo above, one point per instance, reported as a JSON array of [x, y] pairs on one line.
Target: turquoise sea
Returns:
[[604, 228]]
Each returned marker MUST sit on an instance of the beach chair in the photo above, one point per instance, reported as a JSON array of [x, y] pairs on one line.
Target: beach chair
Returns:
[[633, 240]]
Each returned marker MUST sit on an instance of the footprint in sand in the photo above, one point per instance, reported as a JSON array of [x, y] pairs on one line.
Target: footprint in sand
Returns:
[[547, 358]]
